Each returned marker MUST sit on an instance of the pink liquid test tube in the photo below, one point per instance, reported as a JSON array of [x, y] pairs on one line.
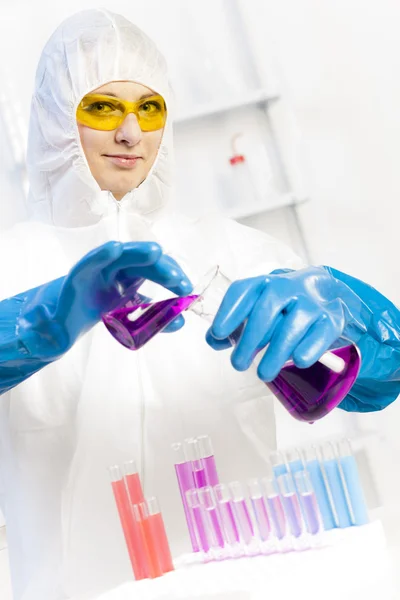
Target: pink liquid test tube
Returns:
[[150, 555], [129, 525], [133, 483], [275, 507], [291, 504], [207, 500], [150, 520], [242, 513], [207, 456], [159, 534], [259, 509], [184, 474], [224, 502]]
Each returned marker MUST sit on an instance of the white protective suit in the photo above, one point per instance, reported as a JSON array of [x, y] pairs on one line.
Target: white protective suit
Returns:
[[101, 404]]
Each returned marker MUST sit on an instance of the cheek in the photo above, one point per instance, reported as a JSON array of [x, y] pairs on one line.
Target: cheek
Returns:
[[153, 142], [93, 142]]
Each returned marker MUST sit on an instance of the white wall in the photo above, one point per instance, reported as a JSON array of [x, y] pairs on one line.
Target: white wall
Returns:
[[338, 65]]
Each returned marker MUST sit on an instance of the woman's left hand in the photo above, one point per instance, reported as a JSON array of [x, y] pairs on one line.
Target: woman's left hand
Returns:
[[297, 314]]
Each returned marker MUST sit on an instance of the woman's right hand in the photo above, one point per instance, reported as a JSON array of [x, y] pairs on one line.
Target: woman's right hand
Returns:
[[62, 310]]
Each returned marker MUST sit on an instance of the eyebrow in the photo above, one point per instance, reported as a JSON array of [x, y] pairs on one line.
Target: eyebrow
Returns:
[[143, 97]]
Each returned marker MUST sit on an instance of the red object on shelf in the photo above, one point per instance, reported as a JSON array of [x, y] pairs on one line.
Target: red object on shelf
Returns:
[[237, 159]]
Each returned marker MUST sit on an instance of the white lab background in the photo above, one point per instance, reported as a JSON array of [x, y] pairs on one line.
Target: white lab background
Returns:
[[309, 92]]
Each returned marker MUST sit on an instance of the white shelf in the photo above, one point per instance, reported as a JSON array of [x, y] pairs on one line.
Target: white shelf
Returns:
[[242, 212], [207, 110]]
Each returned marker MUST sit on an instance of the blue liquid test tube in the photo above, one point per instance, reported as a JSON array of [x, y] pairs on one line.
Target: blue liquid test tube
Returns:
[[321, 488], [278, 463], [337, 485], [349, 468], [294, 460]]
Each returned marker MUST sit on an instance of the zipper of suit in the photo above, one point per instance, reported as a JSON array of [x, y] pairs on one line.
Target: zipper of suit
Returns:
[[142, 404]]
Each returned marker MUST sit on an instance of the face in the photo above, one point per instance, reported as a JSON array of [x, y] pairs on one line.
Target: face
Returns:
[[121, 159]]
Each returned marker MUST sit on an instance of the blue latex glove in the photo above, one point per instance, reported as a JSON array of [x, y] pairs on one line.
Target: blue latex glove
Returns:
[[301, 314], [40, 325]]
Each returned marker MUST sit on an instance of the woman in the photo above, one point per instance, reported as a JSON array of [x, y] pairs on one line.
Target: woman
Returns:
[[100, 172]]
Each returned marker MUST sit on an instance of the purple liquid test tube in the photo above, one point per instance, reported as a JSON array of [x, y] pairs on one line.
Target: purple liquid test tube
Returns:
[[200, 520], [275, 507], [209, 505], [291, 504], [206, 452], [192, 451], [228, 521], [309, 503], [242, 513], [184, 474], [259, 509]]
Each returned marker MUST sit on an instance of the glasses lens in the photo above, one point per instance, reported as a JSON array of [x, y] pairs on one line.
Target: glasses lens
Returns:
[[151, 113], [100, 112]]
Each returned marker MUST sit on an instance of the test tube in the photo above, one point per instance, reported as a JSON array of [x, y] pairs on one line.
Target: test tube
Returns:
[[157, 533], [291, 504], [259, 509], [321, 488], [351, 476], [184, 474], [205, 541], [133, 482], [150, 554], [337, 485], [275, 507], [192, 450], [207, 456], [228, 521], [295, 460], [129, 526], [278, 462], [309, 502], [242, 513], [209, 504]]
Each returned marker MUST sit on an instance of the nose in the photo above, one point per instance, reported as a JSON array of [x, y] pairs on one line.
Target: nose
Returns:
[[129, 131]]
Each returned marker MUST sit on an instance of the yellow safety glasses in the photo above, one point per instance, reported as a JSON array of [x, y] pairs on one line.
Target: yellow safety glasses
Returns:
[[107, 113]]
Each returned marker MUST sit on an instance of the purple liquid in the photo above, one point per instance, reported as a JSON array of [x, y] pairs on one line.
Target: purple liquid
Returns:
[[244, 521], [231, 531], [277, 515], [215, 522], [201, 528], [260, 511], [199, 477], [308, 394], [211, 470], [311, 513], [185, 478], [150, 319], [293, 514]]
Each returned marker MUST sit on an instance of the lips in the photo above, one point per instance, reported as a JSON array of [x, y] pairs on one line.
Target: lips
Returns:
[[126, 161]]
